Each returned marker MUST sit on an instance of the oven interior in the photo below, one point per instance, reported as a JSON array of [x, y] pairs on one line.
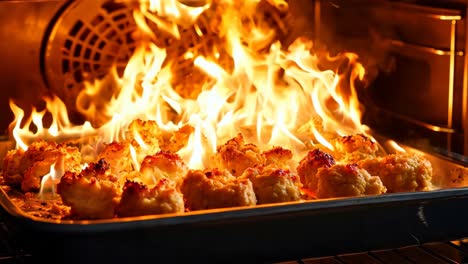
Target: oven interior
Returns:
[[414, 51]]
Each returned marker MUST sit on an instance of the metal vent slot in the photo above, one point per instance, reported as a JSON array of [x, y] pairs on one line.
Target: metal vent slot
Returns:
[[88, 39], [96, 46]]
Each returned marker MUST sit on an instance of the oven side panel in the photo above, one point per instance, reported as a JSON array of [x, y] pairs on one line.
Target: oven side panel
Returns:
[[25, 24], [414, 54]]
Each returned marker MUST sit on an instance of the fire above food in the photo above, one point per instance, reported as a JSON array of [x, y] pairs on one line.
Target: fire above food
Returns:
[[215, 109]]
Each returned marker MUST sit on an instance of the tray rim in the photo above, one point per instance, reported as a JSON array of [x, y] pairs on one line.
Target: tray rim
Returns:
[[219, 215]]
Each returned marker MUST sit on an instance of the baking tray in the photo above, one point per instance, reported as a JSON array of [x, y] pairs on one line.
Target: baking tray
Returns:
[[257, 234]]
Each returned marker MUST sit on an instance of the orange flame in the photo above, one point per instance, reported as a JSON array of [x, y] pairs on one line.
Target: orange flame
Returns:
[[250, 84]]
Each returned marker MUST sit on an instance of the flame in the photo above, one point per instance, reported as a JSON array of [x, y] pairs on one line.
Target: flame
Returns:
[[240, 78], [51, 179], [394, 146]]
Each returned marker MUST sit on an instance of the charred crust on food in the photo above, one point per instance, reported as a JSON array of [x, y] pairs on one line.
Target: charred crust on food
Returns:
[[352, 167], [132, 187], [323, 158], [354, 138], [150, 159], [279, 150]]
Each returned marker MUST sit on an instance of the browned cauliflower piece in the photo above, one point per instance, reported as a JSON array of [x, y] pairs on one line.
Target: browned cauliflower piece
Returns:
[[278, 156], [14, 166], [138, 199], [118, 156], [26, 168], [347, 180], [144, 135], [401, 172], [91, 194], [149, 133], [273, 185], [236, 156], [176, 140], [163, 165], [216, 189], [309, 165], [354, 148]]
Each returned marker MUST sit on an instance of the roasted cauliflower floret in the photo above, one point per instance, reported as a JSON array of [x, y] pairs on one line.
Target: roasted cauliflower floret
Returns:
[[347, 180], [176, 140], [14, 166], [118, 156], [401, 172], [236, 156], [216, 189], [278, 156], [144, 132], [27, 168], [143, 137], [273, 185], [309, 165], [163, 165], [138, 199], [354, 148], [92, 194], [148, 133]]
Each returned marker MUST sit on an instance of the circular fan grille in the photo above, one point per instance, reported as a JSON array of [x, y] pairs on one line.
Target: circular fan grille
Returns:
[[87, 40]]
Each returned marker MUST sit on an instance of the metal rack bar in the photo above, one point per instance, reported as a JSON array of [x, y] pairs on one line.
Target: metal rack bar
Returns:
[[441, 252]]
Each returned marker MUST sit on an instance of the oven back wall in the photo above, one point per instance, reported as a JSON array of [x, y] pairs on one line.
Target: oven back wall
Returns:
[[24, 25], [414, 54]]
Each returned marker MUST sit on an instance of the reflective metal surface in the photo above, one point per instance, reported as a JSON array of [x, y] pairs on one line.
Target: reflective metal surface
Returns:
[[24, 27]]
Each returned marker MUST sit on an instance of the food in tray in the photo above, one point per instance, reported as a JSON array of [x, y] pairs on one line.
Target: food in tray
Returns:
[[26, 168], [139, 199], [216, 189], [219, 106], [92, 193], [343, 180], [236, 156], [401, 172], [309, 166], [114, 185], [273, 184], [354, 148]]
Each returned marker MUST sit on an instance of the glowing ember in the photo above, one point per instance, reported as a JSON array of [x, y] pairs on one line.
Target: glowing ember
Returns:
[[224, 72]]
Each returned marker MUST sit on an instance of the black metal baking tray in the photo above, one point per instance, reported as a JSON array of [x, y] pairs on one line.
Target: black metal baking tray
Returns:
[[255, 234]]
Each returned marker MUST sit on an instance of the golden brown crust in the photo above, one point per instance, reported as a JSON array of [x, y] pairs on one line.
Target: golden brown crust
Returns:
[[236, 156], [278, 156], [401, 172], [27, 168], [155, 139], [119, 157], [347, 180], [273, 185], [354, 148], [309, 165], [146, 130], [138, 199], [92, 194], [163, 165], [14, 166], [175, 141], [216, 189]]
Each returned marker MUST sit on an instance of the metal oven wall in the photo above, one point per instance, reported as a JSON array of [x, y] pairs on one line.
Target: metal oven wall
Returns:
[[24, 25], [414, 53]]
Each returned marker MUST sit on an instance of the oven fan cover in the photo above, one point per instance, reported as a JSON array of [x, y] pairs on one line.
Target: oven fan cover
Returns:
[[86, 41]]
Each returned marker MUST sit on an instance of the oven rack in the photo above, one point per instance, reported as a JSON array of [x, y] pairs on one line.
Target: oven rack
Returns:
[[439, 252]]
